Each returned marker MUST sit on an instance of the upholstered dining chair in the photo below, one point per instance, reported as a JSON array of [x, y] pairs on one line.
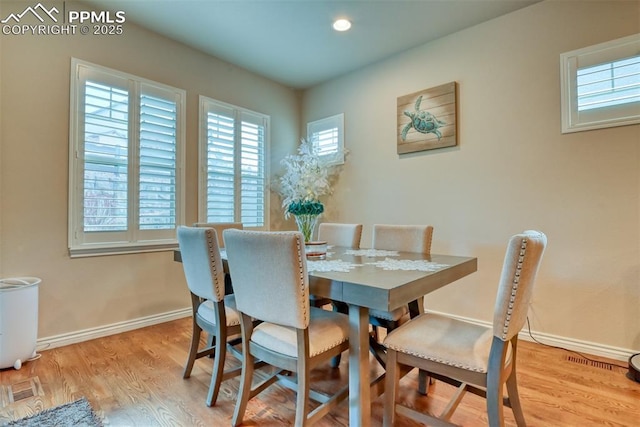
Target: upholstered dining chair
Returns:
[[220, 227], [212, 311], [472, 357], [402, 238], [338, 234], [271, 284]]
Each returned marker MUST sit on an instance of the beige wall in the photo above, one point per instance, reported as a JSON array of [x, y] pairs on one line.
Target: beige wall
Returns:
[[77, 294], [512, 170]]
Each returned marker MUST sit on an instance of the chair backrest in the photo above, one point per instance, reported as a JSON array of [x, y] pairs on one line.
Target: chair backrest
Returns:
[[220, 227], [336, 234], [521, 262], [403, 238], [201, 262], [269, 273]]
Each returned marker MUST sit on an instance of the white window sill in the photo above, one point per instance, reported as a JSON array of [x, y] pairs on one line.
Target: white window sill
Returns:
[[83, 252]]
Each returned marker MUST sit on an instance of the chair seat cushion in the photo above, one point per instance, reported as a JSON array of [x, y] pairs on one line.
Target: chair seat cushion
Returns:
[[327, 329], [444, 340], [394, 315], [205, 310]]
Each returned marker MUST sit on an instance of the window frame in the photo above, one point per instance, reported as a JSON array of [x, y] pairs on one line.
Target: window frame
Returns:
[[597, 118], [237, 113], [133, 240], [325, 124]]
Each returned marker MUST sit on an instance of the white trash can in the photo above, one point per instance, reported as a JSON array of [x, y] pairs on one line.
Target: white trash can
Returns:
[[18, 320]]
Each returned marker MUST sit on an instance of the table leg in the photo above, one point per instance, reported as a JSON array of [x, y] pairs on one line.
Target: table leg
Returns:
[[359, 387]]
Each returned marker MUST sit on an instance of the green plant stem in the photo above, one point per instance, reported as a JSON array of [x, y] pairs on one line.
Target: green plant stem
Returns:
[[306, 224]]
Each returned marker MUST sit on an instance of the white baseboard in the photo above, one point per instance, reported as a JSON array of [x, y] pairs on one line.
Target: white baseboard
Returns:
[[112, 329], [586, 347]]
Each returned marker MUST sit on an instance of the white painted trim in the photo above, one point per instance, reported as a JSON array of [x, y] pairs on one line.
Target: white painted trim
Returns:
[[48, 343], [586, 347]]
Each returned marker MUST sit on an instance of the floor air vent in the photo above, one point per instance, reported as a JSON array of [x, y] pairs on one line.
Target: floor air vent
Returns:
[[594, 363], [19, 391]]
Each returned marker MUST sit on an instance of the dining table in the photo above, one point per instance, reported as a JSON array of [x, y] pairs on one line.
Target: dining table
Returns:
[[366, 279]]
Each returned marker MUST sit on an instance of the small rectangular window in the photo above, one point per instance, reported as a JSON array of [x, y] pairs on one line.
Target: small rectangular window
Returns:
[[327, 137], [601, 85]]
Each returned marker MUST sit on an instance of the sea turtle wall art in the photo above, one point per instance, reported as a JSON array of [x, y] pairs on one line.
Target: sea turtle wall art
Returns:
[[427, 119]]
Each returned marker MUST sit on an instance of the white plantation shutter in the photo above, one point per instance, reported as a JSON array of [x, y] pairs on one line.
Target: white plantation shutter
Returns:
[[325, 142], [220, 165], [233, 178], [327, 138], [106, 154], [253, 176], [609, 84], [158, 163], [126, 152]]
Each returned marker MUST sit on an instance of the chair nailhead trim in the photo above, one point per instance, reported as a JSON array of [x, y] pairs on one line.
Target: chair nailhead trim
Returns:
[[213, 266], [514, 287], [438, 360], [301, 250]]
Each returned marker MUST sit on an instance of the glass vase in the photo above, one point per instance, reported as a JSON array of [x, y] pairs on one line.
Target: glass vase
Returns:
[[306, 224]]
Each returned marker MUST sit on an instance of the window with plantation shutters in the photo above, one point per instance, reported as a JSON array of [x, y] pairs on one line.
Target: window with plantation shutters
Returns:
[[126, 144], [327, 138], [232, 164], [601, 85]]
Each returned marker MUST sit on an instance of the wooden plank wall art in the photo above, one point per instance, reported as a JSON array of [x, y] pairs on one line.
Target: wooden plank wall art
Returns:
[[427, 119]]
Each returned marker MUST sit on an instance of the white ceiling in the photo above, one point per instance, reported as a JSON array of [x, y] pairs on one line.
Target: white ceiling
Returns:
[[292, 42]]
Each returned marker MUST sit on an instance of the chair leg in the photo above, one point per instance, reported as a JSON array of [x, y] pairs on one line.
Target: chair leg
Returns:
[[343, 308], [335, 361], [378, 351], [211, 340], [302, 398], [514, 399], [302, 368], [495, 407], [193, 351], [218, 366], [247, 373], [423, 382], [391, 389]]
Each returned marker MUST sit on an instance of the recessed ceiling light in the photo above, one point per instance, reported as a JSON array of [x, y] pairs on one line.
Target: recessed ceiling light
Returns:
[[341, 24]]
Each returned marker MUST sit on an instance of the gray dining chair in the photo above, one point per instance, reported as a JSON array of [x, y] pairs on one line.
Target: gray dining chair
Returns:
[[337, 234], [340, 234], [472, 357], [212, 311], [271, 284], [402, 238], [220, 227]]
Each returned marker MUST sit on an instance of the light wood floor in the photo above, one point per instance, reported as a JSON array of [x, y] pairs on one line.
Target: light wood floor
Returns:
[[135, 379]]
